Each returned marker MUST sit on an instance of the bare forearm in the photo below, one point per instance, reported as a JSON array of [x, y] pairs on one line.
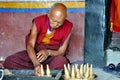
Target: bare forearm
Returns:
[[32, 55], [55, 53]]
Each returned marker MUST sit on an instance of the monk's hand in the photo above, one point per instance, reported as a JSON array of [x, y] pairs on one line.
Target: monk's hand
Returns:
[[42, 55], [37, 71]]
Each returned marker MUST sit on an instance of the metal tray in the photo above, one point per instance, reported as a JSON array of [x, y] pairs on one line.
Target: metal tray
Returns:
[[29, 75]]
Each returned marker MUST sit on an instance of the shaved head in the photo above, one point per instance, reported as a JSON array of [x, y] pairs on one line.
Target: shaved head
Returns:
[[57, 15], [59, 9]]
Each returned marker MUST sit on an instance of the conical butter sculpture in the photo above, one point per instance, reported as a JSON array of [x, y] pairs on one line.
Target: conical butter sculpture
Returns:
[[48, 73], [91, 72], [66, 72], [42, 70], [81, 71], [73, 72], [76, 67], [77, 73], [69, 68], [84, 68], [87, 74]]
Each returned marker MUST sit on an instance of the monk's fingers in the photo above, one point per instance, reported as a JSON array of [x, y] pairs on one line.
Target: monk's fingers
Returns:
[[38, 55], [37, 71], [40, 58]]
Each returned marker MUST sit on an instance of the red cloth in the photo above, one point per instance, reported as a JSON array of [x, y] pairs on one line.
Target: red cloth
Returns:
[[20, 60], [60, 35], [115, 15]]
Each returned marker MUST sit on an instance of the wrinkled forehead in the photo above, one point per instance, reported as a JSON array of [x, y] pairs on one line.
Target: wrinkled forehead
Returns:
[[57, 17], [58, 14]]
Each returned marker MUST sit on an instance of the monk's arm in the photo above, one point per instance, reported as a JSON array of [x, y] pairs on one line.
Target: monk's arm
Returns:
[[61, 50], [31, 44]]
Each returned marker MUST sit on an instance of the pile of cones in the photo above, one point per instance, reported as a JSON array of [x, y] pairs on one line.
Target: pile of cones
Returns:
[[84, 72]]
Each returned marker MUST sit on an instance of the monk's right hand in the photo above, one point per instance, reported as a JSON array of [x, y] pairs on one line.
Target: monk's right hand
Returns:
[[37, 71]]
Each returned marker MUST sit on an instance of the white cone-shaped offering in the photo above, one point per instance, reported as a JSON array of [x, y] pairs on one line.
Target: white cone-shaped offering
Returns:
[[85, 68], [87, 74], [48, 73], [69, 68], [66, 72], [91, 72], [42, 70], [81, 71], [73, 72], [78, 73], [76, 67]]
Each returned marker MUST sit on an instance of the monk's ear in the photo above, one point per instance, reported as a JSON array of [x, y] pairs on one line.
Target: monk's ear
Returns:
[[48, 13]]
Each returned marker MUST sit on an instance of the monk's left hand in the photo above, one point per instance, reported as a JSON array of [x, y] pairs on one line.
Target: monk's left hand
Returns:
[[42, 55]]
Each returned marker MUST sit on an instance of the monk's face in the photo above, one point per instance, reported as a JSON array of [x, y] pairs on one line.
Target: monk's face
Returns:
[[56, 20], [57, 16]]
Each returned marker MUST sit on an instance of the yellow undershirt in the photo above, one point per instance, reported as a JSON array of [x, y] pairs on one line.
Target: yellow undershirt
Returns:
[[48, 36]]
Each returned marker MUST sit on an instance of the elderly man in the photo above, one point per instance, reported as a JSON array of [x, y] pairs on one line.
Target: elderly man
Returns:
[[47, 42]]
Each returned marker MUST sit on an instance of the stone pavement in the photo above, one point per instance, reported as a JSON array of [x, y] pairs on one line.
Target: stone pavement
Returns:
[[102, 75]]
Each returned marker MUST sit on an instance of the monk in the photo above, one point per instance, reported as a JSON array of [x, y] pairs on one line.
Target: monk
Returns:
[[115, 16], [47, 42]]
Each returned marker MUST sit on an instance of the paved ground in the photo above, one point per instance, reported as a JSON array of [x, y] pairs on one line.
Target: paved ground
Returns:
[[102, 75]]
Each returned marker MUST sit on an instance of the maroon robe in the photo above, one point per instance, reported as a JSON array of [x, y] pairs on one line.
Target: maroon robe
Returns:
[[21, 60]]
